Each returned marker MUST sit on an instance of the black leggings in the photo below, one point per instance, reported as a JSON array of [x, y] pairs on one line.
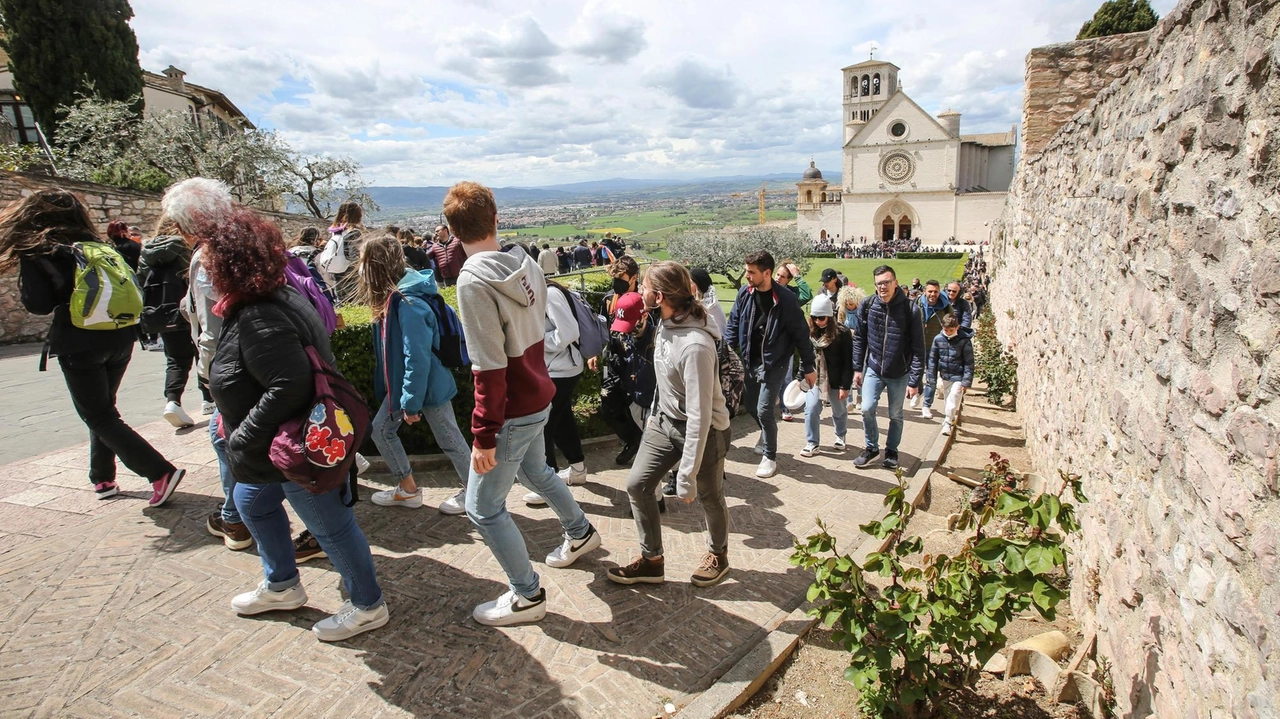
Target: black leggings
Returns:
[[562, 428], [179, 354]]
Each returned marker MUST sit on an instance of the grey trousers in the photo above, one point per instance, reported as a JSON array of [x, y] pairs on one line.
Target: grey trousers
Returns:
[[660, 449]]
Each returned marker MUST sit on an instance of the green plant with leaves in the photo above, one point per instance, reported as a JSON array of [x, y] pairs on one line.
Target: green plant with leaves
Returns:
[[1116, 17], [993, 366], [934, 624]]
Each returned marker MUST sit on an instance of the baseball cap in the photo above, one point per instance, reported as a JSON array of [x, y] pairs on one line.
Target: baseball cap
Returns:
[[828, 275], [627, 312]]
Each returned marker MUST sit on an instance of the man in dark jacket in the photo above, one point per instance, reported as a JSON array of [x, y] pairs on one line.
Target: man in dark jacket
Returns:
[[767, 326], [581, 256], [888, 354], [959, 305], [934, 305]]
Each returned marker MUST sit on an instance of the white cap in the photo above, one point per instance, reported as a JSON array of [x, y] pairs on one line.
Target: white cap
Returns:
[[822, 306]]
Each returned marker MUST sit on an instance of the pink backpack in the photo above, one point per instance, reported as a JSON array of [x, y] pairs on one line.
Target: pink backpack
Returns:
[[318, 450]]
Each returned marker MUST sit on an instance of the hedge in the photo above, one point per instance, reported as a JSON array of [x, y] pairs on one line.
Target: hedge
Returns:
[[353, 348], [929, 255]]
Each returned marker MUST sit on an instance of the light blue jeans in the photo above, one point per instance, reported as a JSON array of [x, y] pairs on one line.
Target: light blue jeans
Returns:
[[813, 414], [444, 426], [872, 386], [230, 514], [520, 451]]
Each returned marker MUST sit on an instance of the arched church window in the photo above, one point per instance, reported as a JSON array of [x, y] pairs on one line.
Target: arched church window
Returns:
[[875, 84], [866, 85], [808, 196], [824, 197]]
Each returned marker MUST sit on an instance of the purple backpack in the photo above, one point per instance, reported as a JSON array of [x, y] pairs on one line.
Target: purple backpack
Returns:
[[318, 450], [298, 274]]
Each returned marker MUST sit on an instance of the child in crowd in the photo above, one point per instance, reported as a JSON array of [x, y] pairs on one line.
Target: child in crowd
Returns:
[[951, 357], [408, 376], [847, 301], [833, 348]]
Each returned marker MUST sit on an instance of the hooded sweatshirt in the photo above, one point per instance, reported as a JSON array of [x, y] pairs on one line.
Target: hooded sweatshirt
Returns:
[[688, 372], [502, 302], [405, 362], [562, 357]]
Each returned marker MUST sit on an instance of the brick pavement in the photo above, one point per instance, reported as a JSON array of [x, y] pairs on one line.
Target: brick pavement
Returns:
[[109, 608]]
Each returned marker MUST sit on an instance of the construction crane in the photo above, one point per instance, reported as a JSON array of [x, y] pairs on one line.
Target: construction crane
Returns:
[[764, 190]]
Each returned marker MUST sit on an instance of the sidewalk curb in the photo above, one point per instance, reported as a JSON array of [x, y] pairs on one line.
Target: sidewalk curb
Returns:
[[750, 673]]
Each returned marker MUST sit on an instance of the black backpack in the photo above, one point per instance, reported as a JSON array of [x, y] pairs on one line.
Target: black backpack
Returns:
[[162, 291]]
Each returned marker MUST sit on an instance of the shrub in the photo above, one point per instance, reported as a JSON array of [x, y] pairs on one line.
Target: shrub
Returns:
[[936, 624], [929, 255], [994, 366], [353, 349]]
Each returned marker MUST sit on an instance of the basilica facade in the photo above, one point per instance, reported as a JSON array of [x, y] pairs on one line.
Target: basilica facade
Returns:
[[906, 173]]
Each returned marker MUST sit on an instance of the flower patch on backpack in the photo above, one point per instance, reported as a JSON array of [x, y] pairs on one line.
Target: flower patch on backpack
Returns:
[[328, 439]]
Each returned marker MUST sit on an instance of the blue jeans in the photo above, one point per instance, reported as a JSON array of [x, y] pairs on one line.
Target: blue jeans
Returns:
[[813, 414], [929, 388], [761, 394], [443, 424], [230, 514], [872, 386], [331, 522], [520, 450]]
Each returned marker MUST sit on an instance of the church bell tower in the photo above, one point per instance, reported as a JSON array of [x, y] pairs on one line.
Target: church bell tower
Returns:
[[867, 86]]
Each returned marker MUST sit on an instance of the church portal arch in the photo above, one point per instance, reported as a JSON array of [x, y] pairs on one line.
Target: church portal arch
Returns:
[[895, 220]]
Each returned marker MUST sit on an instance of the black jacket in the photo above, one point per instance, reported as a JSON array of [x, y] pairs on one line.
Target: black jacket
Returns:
[[46, 283], [785, 329], [952, 357], [416, 258], [890, 338], [131, 252], [261, 377], [839, 358]]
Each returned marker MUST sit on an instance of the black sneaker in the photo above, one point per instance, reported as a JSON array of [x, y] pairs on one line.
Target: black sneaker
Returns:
[[865, 458], [306, 547], [627, 454], [669, 488], [890, 459]]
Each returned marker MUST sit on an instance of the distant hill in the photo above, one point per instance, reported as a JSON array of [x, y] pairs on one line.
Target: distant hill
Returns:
[[405, 201]]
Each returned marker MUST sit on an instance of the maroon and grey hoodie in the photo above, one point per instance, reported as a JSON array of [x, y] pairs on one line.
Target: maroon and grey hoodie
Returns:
[[502, 301]]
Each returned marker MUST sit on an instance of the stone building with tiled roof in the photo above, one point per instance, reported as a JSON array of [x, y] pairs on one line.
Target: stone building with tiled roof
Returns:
[[906, 173]]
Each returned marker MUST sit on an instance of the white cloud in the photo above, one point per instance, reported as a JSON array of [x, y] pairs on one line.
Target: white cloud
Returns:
[[520, 93]]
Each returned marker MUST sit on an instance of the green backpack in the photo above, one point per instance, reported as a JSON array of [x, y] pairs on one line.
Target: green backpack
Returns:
[[106, 295]]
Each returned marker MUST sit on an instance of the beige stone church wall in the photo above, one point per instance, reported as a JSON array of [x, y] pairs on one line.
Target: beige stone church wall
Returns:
[[935, 166], [105, 205], [829, 216], [977, 214], [1138, 283]]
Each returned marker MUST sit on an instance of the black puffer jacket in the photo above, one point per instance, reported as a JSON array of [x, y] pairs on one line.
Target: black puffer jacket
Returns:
[[890, 338], [261, 377], [952, 357], [839, 358]]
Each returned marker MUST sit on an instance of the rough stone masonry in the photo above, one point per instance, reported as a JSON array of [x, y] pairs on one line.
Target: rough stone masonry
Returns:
[[1138, 283]]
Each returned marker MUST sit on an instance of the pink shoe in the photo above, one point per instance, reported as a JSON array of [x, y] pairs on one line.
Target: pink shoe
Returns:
[[163, 488], [106, 489]]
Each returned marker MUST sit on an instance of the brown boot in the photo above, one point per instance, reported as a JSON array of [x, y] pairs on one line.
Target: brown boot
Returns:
[[647, 571], [713, 569]]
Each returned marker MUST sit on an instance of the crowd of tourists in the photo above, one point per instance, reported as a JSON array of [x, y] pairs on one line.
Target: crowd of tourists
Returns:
[[252, 313]]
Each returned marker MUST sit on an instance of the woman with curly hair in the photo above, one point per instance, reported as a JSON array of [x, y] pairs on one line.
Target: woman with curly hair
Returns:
[[39, 234], [261, 378]]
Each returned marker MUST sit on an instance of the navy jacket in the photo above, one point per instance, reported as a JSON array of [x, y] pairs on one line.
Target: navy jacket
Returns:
[[963, 310], [785, 330], [890, 338], [952, 357]]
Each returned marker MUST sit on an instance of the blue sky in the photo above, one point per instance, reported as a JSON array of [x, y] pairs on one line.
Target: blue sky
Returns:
[[541, 92]]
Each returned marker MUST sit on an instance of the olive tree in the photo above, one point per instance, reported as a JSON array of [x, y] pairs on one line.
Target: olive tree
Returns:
[[723, 252]]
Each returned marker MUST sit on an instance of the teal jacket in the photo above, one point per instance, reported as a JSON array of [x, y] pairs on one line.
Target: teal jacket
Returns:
[[404, 342]]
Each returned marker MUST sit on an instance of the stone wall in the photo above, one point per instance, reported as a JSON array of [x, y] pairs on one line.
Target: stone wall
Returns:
[[105, 204], [1061, 79], [1138, 282]]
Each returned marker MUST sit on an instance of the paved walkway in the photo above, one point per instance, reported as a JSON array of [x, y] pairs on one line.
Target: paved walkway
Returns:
[[108, 608]]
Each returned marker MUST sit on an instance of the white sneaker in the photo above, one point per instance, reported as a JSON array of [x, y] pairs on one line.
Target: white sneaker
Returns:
[[759, 448], [264, 600], [534, 499], [174, 415], [767, 468], [838, 445], [208, 408], [808, 450], [946, 428], [787, 416], [915, 402], [510, 609], [455, 505], [362, 464], [926, 413], [569, 551], [350, 621], [397, 498], [573, 476]]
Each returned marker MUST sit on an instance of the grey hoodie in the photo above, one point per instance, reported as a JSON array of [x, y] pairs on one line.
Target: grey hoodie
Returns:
[[688, 373], [502, 302]]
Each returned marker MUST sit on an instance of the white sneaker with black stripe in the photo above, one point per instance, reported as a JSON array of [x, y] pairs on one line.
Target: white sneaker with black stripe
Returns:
[[569, 550], [511, 609]]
